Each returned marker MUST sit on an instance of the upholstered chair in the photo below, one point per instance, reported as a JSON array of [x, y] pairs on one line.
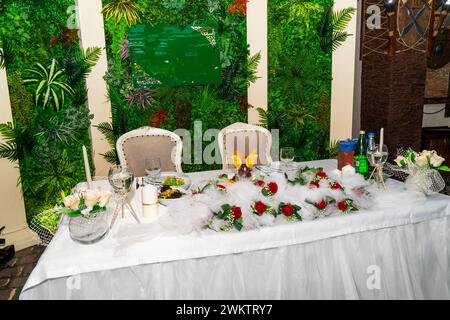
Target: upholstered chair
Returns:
[[245, 139], [146, 142]]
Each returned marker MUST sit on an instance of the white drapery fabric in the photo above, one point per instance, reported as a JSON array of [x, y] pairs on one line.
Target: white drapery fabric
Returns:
[[402, 240]]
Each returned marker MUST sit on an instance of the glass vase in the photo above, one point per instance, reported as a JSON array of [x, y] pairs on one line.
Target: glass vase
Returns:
[[88, 230]]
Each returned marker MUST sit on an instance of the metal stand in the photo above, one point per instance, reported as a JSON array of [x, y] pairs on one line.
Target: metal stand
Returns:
[[377, 173], [120, 207]]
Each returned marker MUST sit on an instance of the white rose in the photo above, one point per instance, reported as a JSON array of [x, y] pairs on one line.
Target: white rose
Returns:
[[436, 160], [422, 160], [72, 202], [91, 197], [427, 153], [399, 161], [104, 198]]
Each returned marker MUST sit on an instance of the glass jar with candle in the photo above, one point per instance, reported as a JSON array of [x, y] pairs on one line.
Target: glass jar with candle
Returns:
[[346, 153]]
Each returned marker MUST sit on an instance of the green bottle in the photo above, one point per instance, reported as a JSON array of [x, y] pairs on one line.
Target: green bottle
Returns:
[[361, 163]]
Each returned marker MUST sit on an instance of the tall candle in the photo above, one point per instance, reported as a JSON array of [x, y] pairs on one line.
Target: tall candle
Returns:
[[87, 168], [149, 201], [381, 139]]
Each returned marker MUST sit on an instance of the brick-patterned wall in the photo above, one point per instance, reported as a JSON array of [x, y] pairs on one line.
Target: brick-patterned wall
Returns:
[[392, 89]]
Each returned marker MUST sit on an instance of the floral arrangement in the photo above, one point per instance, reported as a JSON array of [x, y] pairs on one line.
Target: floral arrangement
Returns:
[[270, 189], [423, 160], [346, 205], [321, 204], [341, 201], [259, 208], [231, 215], [86, 203], [290, 211]]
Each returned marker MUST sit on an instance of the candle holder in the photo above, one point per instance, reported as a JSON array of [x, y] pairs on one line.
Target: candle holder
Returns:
[[377, 158], [121, 179]]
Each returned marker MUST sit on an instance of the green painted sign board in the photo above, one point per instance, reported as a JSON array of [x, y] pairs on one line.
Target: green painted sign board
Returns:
[[173, 56]]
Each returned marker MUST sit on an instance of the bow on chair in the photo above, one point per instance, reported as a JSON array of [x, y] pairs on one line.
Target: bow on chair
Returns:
[[249, 161]]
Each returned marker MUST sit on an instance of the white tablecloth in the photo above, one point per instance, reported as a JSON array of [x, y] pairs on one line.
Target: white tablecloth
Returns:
[[404, 246]]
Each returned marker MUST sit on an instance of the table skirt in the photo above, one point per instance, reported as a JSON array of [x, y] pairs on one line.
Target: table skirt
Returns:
[[403, 262]]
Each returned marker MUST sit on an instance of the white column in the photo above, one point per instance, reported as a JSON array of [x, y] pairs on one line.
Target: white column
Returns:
[[257, 39], [92, 34], [343, 115], [12, 208]]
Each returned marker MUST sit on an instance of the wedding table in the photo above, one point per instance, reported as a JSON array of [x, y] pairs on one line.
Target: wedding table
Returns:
[[399, 248]]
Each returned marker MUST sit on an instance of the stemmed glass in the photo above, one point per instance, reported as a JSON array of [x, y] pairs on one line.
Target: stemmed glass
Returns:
[[377, 157], [121, 179], [153, 169], [287, 155]]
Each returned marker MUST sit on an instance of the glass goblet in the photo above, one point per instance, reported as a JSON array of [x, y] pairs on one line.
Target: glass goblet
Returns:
[[287, 155], [153, 169], [121, 179]]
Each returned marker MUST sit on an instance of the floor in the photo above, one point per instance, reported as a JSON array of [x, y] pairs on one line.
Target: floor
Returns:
[[14, 275]]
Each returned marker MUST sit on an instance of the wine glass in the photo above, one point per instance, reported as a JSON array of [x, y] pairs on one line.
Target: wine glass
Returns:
[[287, 155], [377, 157], [153, 169], [121, 179]]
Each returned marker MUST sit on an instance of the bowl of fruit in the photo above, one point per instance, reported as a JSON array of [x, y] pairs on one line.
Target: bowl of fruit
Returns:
[[168, 195]]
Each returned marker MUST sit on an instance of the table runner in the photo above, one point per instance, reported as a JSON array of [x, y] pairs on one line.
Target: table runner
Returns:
[[128, 245]]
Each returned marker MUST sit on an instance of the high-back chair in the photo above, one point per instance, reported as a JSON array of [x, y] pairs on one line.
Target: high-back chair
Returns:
[[146, 142], [245, 139]]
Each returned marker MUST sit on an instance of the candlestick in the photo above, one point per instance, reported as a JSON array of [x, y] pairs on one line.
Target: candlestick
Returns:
[[87, 168], [381, 140]]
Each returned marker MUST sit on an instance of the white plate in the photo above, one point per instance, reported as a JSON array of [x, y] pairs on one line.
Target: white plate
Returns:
[[164, 175]]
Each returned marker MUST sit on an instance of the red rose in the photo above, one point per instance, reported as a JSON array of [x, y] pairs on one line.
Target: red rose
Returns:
[[259, 183], [273, 187], [342, 205], [336, 186], [260, 207], [321, 175], [288, 210], [322, 204], [237, 213], [314, 184]]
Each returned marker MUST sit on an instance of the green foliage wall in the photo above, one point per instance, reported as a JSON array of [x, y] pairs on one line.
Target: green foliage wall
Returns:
[[299, 76], [45, 142], [215, 105]]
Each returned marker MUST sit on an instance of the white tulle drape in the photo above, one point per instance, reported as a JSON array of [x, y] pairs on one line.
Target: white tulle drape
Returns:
[[412, 260]]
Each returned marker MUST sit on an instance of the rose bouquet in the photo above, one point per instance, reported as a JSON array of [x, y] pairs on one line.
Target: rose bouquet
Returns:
[[424, 160], [423, 170], [346, 205], [86, 203], [259, 208], [270, 189], [231, 217], [290, 211], [322, 205]]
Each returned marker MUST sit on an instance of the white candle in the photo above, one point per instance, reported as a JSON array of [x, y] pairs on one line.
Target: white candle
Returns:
[[149, 201], [87, 168], [381, 139]]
